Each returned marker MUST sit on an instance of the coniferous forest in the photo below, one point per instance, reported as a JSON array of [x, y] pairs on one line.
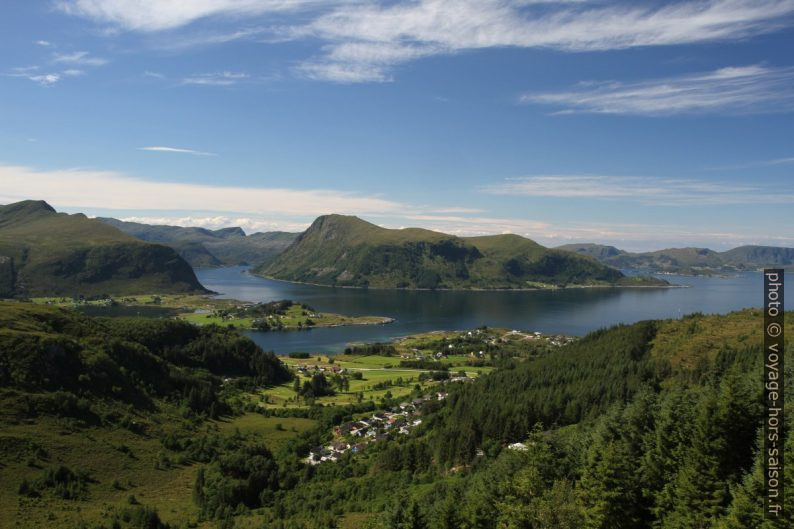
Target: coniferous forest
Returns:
[[649, 425]]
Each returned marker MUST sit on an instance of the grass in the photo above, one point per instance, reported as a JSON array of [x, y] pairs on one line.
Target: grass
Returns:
[[173, 301], [202, 309], [97, 451], [272, 430], [120, 463], [296, 316], [375, 370], [687, 340]]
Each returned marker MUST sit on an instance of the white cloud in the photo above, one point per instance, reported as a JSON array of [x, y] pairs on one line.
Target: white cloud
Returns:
[[267, 209], [747, 165], [216, 79], [79, 57], [44, 43], [111, 190], [651, 191], [248, 224], [46, 79], [743, 89], [364, 41], [155, 15], [32, 73], [160, 148]]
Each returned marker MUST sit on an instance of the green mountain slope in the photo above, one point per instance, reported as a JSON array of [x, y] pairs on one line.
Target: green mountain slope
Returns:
[[689, 260], [596, 251], [45, 253], [100, 417], [347, 251], [130, 423], [203, 247]]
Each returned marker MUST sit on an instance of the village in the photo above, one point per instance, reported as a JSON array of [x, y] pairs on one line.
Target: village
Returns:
[[354, 436]]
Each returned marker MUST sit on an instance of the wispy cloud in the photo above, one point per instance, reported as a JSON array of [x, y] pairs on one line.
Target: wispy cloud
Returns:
[[650, 191], [32, 73], [745, 89], [79, 57], [216, 79], [758, 163], [112, 190], [248, 224], [176, 41], [262, 209], [365, 41], [177, 150], [155, 15], [45, 79], [44, 43]]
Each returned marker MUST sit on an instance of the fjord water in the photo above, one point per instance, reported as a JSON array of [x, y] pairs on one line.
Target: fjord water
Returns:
[[574, 311]]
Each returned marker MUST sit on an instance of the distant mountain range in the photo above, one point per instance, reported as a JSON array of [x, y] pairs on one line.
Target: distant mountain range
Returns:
[[689, 260], [347, 251], [45, 253], [202, 247]]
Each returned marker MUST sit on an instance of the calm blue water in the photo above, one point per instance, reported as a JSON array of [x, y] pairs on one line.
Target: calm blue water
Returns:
[[573, 311]]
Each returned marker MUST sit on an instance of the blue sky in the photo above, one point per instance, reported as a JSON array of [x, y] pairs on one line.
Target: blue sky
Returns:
[[643, 125]]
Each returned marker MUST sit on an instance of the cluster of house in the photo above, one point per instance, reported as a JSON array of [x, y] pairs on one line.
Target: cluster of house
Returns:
[[481, 336], [308, 370], [355, 435], [553, 339]]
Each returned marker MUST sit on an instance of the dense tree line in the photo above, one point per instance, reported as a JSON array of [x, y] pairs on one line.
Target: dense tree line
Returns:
[[612, 435], [126, 359], [377, 348]]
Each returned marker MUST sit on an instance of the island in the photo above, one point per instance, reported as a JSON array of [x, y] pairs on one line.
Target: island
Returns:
[[203, 309]]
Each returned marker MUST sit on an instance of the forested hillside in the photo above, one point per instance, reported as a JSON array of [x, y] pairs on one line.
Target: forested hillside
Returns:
[[123, 423], [347, 251], [45, 253]]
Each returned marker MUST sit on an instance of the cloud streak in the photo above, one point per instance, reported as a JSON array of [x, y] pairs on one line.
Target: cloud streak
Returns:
[[215, 79], [741, 90], [262, 209], [156, 15], [117, 191], [177, 150], [365, 41], [649, 191], [82, 58]]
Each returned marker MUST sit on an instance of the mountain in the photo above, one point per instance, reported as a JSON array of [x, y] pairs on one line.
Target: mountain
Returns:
[[347, 251], [689, 260], [596, 251], [203, 247], [45, 253]]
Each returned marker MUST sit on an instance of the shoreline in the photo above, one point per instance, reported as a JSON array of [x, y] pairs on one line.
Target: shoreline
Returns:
[[472, 289]]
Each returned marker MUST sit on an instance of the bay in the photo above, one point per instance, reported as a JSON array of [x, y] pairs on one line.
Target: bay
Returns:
[[574, 311]]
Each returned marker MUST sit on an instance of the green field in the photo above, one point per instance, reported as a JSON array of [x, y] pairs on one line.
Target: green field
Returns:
[[296, 317], [120, 463], [202, 309], [374, 369], [271, 430]]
